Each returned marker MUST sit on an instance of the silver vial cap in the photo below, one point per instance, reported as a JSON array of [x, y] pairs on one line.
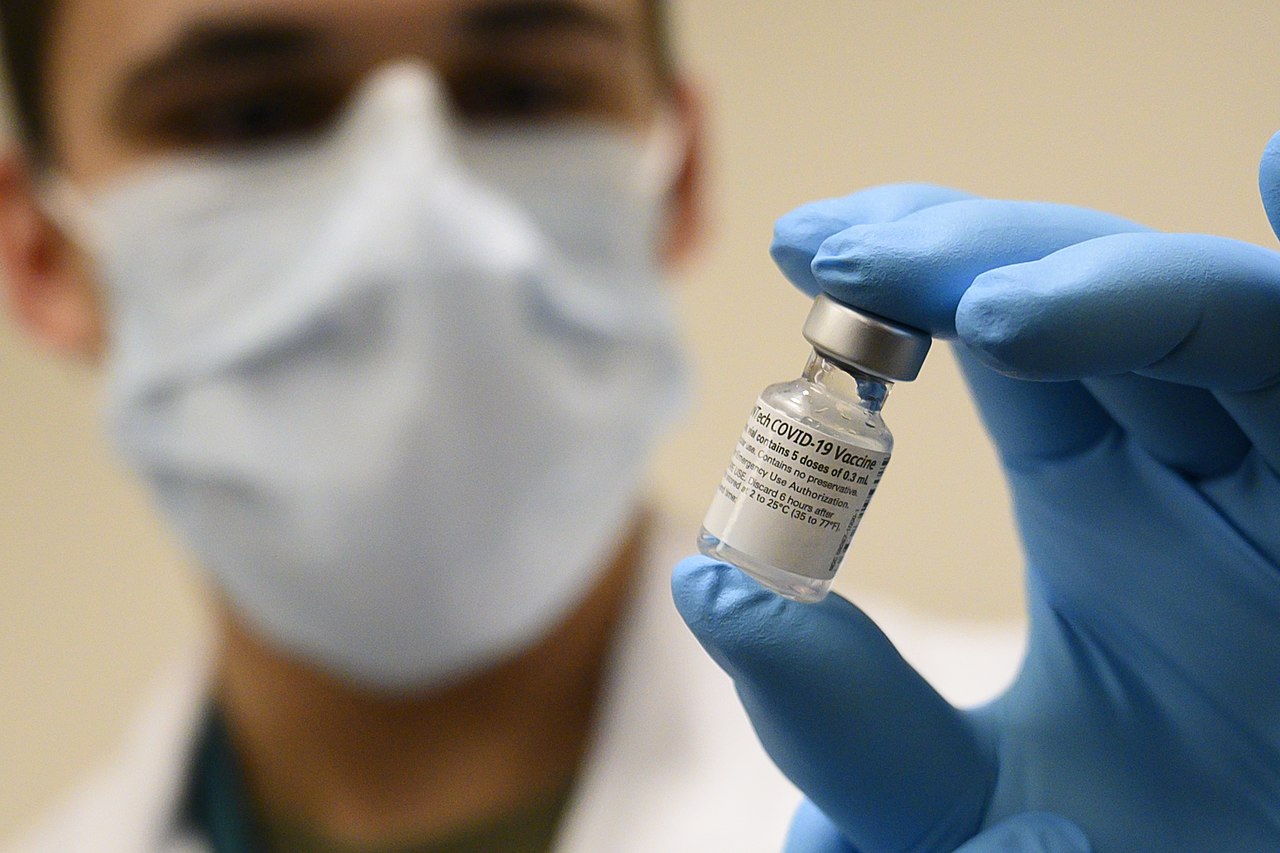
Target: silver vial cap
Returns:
[[865, 342]]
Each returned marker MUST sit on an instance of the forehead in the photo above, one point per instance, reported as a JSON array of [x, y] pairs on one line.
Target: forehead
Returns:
[[111, 34]]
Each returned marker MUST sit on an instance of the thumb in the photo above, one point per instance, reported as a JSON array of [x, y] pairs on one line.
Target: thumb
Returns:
[[862, 734], [812, 832], [1032, 832], [1269, 182]]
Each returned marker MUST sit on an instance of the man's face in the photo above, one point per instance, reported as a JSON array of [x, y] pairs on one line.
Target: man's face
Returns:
[[131, 80], [134, 81]]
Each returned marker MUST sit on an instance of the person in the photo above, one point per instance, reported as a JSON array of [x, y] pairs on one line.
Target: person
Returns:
[[1131, 382], [376, 291], [374, 287]]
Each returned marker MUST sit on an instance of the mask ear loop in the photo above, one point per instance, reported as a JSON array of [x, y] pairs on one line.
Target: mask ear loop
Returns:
[[65, 204], [662, 152]]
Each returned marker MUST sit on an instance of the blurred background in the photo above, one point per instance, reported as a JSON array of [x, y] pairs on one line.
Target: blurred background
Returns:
[[1156, 111]]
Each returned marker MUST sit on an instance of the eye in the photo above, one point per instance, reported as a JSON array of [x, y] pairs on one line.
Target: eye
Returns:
[[497, 95], [251, 117]]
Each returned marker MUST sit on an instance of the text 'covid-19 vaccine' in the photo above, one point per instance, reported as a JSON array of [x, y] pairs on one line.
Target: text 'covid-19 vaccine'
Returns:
[[812, 454]]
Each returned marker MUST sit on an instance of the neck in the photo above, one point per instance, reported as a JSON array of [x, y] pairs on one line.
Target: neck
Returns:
[[363, 767]]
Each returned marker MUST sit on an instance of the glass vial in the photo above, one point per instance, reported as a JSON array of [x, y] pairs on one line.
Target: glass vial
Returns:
[[812, 454]]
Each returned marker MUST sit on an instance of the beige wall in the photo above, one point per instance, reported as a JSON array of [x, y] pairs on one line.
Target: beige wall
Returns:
[[1154, 110]]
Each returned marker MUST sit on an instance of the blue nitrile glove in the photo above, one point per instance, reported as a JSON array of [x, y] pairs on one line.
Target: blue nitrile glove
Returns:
[[1131, 382]]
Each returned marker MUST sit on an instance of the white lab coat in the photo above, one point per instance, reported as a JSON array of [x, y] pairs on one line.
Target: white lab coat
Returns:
[[674, 768]]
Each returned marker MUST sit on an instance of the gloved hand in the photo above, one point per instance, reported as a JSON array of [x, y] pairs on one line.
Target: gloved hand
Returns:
[[1131, 382]]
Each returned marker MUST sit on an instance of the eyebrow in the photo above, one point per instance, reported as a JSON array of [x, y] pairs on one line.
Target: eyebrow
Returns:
[[207, 46], [530, 17]]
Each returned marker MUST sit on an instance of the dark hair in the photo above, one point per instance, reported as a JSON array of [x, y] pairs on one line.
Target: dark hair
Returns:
[[26, 26], [658, 34]]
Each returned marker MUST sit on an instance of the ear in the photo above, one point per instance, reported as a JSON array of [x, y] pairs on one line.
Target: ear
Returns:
[[686, 215], [44, 277]]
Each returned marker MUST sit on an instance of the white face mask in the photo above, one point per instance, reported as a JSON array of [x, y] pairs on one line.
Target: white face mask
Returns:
[[398, 406]]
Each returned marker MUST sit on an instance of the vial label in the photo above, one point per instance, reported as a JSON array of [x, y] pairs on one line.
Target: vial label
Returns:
[[792, 497]]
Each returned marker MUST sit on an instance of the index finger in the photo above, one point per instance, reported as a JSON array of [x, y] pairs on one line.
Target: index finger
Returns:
[[798, 234]]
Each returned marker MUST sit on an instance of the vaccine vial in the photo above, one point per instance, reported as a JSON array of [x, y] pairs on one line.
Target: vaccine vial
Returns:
[[812, 453]]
